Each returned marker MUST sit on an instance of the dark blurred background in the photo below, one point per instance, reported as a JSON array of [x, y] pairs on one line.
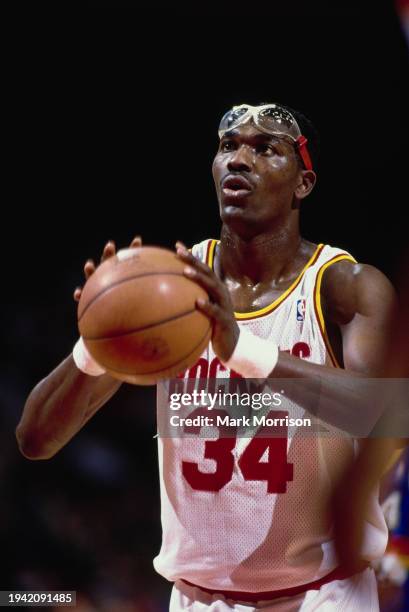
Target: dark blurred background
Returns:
[[114, 126]]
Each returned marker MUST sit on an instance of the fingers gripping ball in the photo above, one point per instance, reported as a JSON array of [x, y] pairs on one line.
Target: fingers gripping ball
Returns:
[[138, 318]]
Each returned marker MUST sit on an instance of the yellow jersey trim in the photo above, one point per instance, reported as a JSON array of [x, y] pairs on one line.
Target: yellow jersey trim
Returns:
[[318, 304], [245, 316], [211, 247]]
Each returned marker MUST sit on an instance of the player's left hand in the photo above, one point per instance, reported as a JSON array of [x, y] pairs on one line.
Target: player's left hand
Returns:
[[218, 307]]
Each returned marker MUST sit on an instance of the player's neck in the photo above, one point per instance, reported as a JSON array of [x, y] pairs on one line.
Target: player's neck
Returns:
[[263, 258]]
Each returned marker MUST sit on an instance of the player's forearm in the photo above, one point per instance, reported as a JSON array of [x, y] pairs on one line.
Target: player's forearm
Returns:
[[289, 366], [342, 398], [58, 407]]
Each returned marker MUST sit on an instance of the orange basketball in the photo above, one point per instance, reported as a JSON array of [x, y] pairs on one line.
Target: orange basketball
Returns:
[[138, 318]]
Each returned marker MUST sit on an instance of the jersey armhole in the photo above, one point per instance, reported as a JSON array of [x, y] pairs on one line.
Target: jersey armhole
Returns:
[[318, 303], [210, 251]]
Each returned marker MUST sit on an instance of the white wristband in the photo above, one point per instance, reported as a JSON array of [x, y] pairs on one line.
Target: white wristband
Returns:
[[253, 357], [84, 361]]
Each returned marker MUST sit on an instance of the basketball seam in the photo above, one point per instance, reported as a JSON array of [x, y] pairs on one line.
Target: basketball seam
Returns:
[[138, 329], [125, 280], [168, 367]]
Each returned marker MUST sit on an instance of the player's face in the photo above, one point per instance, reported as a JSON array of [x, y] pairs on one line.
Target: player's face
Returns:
[[255, 176]]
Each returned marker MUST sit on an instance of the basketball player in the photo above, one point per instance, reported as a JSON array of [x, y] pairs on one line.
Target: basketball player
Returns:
[[243, 528]]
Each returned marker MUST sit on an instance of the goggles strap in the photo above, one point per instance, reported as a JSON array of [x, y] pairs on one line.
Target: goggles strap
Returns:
[[303, 151]]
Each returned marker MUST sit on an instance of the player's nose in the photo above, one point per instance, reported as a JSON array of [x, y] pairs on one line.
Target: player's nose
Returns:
[[241, 160]]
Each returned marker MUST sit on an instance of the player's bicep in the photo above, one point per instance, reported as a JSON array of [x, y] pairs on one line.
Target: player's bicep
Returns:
[[366, 337]]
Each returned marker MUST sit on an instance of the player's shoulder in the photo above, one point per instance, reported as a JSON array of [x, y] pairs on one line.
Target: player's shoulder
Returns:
[[350, 287]]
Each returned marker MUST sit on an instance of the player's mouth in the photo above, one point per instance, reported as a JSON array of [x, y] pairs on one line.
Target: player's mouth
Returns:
[[236, 186]]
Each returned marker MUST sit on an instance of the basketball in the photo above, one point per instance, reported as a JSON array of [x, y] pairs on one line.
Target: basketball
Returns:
[[138, 318]]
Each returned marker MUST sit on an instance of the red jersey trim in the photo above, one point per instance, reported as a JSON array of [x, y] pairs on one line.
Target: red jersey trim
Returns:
[[338, 573]]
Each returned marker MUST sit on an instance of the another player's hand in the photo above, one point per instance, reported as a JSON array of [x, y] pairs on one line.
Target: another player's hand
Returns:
[[109, 251], [218, 308]]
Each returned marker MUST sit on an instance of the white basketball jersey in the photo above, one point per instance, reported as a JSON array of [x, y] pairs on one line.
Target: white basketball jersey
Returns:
[[234, 519]]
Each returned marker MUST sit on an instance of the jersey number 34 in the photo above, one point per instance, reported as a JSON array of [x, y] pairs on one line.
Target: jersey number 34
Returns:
[[275, 471]]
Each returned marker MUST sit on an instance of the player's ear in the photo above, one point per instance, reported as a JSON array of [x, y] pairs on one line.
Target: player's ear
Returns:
[[306, 182]]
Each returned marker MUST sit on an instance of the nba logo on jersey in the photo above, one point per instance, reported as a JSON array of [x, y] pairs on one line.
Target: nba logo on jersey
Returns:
[[300, 310]]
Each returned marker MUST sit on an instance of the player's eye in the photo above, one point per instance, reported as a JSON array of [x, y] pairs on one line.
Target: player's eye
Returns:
[[266, 149], [227, 145]]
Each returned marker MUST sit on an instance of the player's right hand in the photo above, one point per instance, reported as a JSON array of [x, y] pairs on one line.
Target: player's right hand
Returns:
[[109, 251]]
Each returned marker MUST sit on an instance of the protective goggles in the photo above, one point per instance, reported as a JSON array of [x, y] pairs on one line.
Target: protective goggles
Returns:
[[271, 119]]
